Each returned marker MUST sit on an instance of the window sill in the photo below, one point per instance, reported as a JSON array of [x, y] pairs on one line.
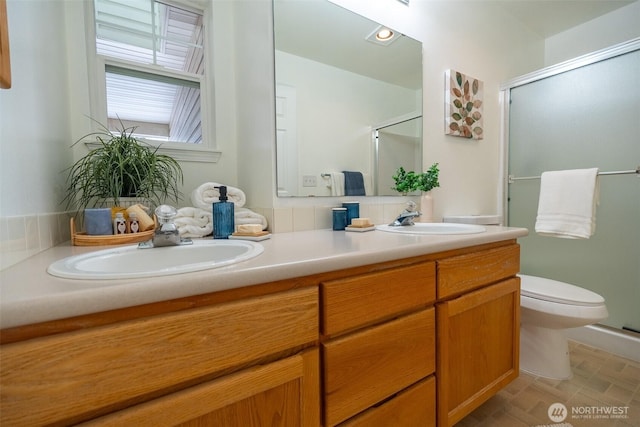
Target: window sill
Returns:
[[180, 152]]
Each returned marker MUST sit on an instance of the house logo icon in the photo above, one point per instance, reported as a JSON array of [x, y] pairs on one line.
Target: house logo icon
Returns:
[[557, 412]]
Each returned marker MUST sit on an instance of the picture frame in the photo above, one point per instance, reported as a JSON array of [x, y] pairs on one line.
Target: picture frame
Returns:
[[463, 105]]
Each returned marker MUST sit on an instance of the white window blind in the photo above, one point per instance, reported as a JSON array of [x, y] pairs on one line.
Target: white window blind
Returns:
[[159, 51]]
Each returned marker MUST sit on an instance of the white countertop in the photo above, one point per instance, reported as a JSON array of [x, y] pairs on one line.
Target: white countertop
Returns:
[[28, 294]]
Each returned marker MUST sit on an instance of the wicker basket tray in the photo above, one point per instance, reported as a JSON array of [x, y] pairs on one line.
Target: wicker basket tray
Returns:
[[81, 238]]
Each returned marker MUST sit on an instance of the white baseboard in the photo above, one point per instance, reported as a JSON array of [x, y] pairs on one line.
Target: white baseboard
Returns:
[[616, 341]]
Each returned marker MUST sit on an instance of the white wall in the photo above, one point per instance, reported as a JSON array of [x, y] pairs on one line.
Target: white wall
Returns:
[[615, 27], [34, 114]]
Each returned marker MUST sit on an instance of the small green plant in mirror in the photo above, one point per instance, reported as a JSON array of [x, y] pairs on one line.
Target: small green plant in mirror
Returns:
[[406, 182], [122, 166]]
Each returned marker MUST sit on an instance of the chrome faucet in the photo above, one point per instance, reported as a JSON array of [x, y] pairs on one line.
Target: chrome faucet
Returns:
[[166, 233], [407, 216]]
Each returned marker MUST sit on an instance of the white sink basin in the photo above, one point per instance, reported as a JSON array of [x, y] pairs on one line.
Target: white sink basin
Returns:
[[129, 262], [434, 228]]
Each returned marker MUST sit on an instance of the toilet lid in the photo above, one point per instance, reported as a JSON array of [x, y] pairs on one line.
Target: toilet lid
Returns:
[[555, 291]]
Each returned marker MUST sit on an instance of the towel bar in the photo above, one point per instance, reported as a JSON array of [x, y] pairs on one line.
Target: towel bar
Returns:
[[512, 179]]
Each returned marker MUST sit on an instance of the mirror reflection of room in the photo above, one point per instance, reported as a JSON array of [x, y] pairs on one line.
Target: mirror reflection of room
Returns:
[[336, 86]]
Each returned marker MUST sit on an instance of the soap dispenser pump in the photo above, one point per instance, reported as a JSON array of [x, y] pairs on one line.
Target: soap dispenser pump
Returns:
[[223, 215]]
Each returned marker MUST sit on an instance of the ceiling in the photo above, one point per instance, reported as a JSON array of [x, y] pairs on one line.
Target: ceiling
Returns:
[[301, 29], [550, 17]]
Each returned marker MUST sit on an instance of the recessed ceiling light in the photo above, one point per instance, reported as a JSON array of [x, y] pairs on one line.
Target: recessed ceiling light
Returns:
[[383, 35]]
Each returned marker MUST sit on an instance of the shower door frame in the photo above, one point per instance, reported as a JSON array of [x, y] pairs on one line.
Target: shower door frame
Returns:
[[505, 98]]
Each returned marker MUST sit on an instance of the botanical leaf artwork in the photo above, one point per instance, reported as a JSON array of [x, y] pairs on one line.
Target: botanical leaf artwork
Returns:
[[463, 103]]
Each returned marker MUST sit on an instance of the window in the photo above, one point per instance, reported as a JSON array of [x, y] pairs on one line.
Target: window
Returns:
[[151, 64]]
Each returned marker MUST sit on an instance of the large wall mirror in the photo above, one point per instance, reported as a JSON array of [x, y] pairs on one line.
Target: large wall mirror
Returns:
[[345, 101]]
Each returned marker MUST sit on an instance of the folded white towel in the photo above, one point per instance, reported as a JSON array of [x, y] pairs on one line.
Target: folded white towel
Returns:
[[337, 183], [207, 193], [247, 216], [567, 203], [194, 222]]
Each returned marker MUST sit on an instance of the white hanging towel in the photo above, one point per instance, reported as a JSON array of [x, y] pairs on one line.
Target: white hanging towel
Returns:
[[567, 203], [337, 184]]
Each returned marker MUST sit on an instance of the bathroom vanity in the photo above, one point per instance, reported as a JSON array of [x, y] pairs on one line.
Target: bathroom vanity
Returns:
[[357, 329]]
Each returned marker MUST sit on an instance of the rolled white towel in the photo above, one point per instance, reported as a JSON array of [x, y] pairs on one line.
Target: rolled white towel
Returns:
[[194, 222], [207, 193], [247, 216]]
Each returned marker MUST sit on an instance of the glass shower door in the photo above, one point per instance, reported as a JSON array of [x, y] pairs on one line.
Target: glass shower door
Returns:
[[583, 118]]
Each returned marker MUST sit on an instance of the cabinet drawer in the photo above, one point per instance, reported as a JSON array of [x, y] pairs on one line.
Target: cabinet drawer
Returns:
[[367, 367], [280, 393], [357, 301], [415, 406], [460, 274], [65, 377]]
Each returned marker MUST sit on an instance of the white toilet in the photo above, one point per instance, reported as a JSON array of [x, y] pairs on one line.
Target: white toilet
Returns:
[[547, 308]]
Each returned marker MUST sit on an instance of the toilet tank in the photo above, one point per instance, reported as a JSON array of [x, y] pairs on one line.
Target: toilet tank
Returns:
[[474, 219]]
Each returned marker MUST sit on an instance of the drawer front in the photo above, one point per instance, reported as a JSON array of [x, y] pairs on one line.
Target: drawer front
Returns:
[[356, 301], [463, 273], [286, 390], [415, 406], [64, 377], [368, 366]]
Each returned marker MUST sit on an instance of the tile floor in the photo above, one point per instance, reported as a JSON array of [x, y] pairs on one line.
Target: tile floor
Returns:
[[602, 382]]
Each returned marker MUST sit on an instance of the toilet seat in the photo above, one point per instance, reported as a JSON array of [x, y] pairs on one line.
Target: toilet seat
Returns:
[[558, 292]]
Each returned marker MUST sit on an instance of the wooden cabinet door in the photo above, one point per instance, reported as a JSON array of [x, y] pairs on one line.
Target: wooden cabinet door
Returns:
[[282, 393], [478, 348]]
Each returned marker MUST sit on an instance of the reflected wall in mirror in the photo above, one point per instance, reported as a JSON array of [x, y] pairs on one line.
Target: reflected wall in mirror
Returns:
[[335, 90], [396, 144]]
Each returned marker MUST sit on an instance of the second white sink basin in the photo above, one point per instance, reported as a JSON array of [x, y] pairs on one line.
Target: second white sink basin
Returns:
[[128, 262], [434, 228]]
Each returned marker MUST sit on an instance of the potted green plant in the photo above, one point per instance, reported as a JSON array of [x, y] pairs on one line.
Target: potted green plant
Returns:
[[122, 166], [428, 180], [406, 182]]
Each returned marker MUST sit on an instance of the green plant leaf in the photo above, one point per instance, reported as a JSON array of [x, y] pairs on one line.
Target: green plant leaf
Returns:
[[122, 166]]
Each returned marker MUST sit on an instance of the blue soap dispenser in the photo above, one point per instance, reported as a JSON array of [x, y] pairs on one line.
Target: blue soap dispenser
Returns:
[[223, 216]]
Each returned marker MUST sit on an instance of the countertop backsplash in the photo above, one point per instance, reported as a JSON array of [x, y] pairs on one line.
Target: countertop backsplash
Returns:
[[24, 236]]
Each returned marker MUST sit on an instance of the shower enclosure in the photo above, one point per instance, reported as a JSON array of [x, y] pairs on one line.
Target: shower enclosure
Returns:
[[581, 114]]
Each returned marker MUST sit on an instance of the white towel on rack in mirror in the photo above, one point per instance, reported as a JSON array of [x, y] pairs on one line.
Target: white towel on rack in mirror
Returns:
[[567, 203], [337, 184]]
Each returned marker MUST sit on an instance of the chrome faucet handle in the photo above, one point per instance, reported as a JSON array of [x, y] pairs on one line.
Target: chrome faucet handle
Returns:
[[407, 215], [411, 206], [166, 215]]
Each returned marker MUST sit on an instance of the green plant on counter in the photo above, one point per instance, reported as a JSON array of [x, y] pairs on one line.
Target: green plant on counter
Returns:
[[122, 166], [428, 180], [406, 182]]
